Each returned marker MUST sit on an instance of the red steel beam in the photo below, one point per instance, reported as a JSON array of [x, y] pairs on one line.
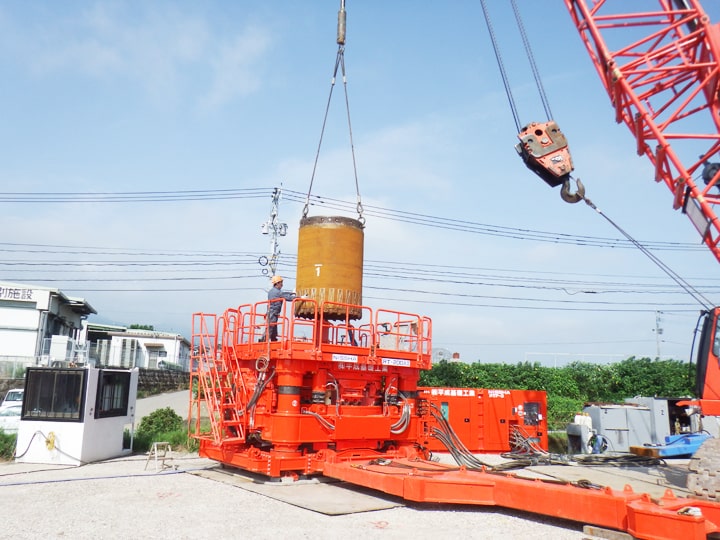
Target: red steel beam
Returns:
[[635, 513]]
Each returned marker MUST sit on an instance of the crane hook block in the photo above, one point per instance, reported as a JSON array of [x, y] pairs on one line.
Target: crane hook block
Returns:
[[544, 150]]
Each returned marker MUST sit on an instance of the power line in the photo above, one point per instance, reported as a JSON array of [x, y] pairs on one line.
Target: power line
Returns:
[[492, 230], [346, 206], [211, 265], [133, 196]]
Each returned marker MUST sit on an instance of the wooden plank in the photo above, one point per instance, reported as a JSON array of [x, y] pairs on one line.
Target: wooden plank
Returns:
[[326, 496]]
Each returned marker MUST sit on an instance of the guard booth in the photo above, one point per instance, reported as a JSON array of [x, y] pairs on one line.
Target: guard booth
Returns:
[[73, 416]]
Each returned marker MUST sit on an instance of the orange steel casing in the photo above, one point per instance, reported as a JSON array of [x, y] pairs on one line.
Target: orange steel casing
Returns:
[[488, 420], [329, 265]]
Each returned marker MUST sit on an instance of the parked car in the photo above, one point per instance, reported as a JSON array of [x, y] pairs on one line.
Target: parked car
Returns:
[[14, 396], [10, 418]]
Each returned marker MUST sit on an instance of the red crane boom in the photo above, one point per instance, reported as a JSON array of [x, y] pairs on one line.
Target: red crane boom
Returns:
[[660, 69]]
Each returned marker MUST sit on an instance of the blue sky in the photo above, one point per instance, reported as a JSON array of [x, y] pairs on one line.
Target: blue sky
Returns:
[[115, 97]]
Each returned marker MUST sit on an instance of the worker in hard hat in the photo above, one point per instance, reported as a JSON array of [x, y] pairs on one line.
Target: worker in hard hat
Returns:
[[276, 296]]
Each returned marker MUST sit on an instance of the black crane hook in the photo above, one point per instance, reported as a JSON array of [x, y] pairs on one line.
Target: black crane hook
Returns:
[[570, 197]]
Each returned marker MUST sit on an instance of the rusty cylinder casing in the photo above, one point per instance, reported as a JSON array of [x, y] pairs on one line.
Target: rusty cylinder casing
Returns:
[[330, 265]]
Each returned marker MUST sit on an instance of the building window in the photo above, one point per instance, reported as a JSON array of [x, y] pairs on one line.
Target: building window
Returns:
[[112, 394], [54, 394]]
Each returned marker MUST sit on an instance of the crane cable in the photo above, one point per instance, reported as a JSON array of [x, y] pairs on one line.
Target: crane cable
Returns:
[[531, 59], [501, 65], [339, 64], [566, 192], [580, 193], [687, 287]]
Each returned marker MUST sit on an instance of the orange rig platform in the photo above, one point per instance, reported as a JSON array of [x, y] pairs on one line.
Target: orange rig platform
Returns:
[[340, 398]]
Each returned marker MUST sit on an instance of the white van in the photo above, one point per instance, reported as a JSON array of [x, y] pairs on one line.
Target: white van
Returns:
[[14, 396]]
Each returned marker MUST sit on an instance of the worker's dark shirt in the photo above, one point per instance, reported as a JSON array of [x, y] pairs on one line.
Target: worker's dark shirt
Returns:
[[275, 307]]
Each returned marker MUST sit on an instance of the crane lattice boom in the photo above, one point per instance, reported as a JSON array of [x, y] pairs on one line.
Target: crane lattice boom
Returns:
[[660, 69]]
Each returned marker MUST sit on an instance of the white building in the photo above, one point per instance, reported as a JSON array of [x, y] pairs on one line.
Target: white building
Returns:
[[118, 346], [39, 324]]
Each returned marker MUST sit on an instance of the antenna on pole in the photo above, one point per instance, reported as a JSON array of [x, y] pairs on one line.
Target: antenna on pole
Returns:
[[658, 331], [274, 229]]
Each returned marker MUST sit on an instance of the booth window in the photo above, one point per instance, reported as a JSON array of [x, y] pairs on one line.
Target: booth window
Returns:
[[53, 394], [112, 394]]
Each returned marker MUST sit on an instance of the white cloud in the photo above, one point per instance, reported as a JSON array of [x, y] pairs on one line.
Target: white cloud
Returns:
[[166, 53], [234, 66]]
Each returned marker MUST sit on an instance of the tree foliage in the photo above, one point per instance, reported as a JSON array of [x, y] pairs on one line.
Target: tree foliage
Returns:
[[570, 387], [142, 327]]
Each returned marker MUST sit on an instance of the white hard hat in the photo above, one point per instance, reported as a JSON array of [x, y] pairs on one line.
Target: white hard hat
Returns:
[[276, 279]]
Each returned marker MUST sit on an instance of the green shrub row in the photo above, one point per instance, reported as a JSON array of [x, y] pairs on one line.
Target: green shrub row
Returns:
[[568, 389]]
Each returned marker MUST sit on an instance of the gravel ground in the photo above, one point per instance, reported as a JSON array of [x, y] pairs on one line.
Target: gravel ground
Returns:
[[120, 499], [126, 498]]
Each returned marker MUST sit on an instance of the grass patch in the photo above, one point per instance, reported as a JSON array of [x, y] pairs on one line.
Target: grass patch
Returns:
[[558, 442], [8, 442]]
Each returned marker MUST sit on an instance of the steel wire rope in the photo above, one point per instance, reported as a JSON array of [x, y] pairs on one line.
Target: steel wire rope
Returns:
[[105, 477], [533, 66], [339, 63], [531, 59], [501, 65], [677, 278]]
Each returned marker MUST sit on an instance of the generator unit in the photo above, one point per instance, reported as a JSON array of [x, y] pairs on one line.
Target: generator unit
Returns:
[[488, 420]]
